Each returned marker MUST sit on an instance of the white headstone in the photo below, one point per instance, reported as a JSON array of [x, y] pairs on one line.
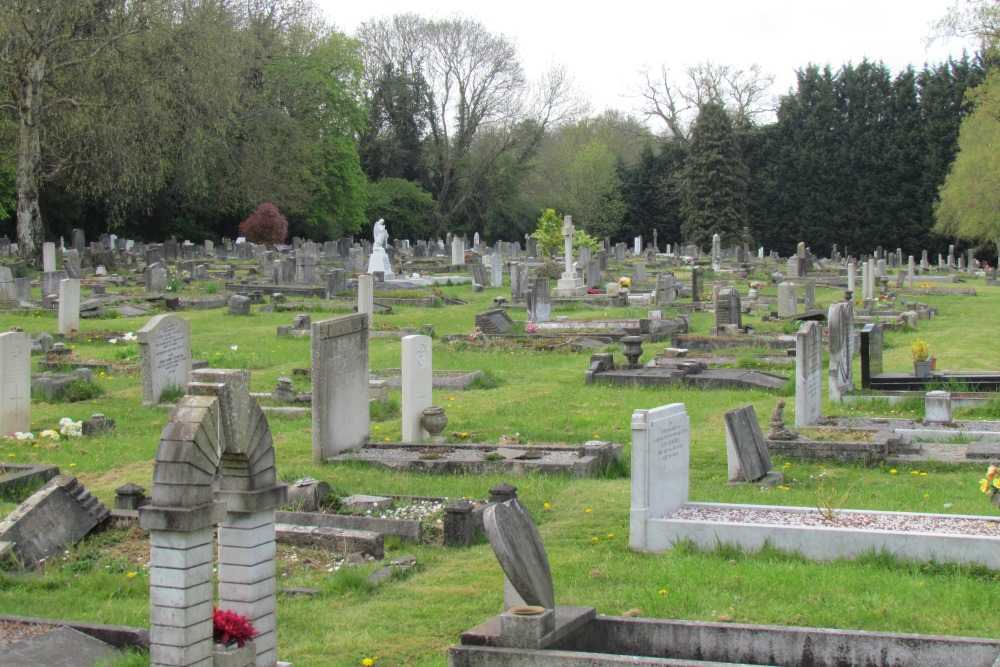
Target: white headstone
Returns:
[[937, 407], [69, 305], [165, 353], [15, 382], [366, 296], [48, 256], [661, 458], [457, 252], [417, 381], [808, 374]]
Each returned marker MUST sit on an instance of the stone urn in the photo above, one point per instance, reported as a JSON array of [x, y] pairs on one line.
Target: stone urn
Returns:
[[632, 349], [433, 420]]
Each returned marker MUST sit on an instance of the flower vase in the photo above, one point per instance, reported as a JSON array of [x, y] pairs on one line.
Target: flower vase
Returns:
[[226, 655], [921, 369], [996, 499]]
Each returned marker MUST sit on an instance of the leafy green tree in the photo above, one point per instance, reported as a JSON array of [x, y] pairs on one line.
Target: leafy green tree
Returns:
[[649, 192], [714, 180], [391, 145], [407, 208], [969, 208], [550, 237]]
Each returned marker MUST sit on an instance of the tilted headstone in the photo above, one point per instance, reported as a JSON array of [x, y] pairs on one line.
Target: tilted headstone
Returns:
[[478, 272], [840, 376], [661, 459], [417, 385], [336, 282], [808, 374], [746, 448], [165, 353], [340, 410], [496, 322], [519, 549]]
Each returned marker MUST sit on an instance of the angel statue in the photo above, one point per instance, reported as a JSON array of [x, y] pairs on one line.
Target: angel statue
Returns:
[[381, 236]]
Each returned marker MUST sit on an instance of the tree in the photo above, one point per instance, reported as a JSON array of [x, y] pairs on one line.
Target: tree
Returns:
[[266, 225], [406, 207], [969, 208], [678, 100], [976, 19], [398, 108], [481, 98], [714, 180], [51, 50], [650, 193]]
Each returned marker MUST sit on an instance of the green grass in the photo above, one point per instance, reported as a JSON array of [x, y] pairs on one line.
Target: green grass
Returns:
[[541, 395]]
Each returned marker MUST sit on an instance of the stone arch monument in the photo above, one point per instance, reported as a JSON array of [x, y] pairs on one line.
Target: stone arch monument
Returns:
[[214, 465]]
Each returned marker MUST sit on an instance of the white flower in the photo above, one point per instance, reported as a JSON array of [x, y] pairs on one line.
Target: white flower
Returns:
[[113, 340], [233, 347], [70, 428], [23, 436], [129, 336], [50, 434]]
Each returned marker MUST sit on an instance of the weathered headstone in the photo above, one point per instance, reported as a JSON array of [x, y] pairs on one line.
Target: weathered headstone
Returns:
[[239, 305], [697, 274], [69, 305], [787, 300], [366, 296], [539, 301], [518, 547], [639, 273], [840, 376], [664, 289], [746, 449], [496, 321], [661, 458], [457, 252], [417, 384], [48, 256], [71, 263], [15, 383], [808, 373], [496, 271], [871, 353], [340, 410], [336, 282], [727, 308], [165, 352]]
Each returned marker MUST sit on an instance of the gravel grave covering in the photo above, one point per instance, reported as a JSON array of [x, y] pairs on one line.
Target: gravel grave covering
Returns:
[[11, 631], [910, 523]]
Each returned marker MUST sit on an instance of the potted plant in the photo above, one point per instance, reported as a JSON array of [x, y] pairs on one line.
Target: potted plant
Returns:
[[920, 351]]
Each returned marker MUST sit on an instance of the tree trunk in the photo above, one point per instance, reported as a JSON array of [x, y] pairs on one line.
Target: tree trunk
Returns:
[[29, 159]]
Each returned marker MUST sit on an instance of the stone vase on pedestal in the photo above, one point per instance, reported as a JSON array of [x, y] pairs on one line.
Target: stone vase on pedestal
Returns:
[[433, 420]]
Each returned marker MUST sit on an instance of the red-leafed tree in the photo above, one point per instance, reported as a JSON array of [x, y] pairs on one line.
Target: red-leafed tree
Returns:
[[266, 225]]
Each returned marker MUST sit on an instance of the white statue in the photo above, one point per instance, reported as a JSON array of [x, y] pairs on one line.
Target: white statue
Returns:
[[381, 236]]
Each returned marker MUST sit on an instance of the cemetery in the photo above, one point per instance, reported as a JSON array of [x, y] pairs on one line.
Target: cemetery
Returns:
[[332, 483]]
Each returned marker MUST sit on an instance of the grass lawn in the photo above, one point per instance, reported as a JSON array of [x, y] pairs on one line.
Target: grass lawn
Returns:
[[540, 394]]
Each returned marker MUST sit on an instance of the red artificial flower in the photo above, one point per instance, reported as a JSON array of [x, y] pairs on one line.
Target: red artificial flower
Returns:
[[230, 627]]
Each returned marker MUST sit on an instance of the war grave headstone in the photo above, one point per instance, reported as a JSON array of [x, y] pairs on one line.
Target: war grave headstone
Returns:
[[661, 453], [808, 373], [165, 353], [417, 384], [340, 410], [840, 376], [746, 450], [69, 306], [15, 387]]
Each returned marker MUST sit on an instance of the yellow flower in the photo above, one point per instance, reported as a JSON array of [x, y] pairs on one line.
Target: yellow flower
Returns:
[[663, 591], [914, 472], [593, 539], [927, 495], [465, 434], [377, 428], [588, 511], [610, 535], [893, 472], [368, 662], [72, 465], [547, 506], [984, 485], [131, 575], [597, 435], [996, 483], [923, 474], [388, 439]]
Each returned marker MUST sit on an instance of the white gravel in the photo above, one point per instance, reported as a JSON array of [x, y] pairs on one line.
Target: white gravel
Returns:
[[888, 521]]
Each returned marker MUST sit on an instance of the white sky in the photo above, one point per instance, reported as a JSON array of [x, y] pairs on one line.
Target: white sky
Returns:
[[605, 45]]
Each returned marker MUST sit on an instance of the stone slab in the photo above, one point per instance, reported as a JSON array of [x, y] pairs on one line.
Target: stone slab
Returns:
[[61, 647]]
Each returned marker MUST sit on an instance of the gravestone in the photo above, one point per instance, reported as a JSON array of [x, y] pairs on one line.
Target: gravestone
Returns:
[[60, 513], [518, 547], [496, 271], [727, 308], [592, 273], [50, 282], [539, 302], [48, 257], [697, 284], [495, 322], [336, 282], [840, 376], [664, 289], [937, 407], [639, 273], [366, 296], [787, 300], [69, 306], [71, 263], [8, 291], [809, 294], [156, 280], [417, 384], [15, 382], [340, 410], [808, 374], [239, 305], [746, 449], [457, 252], [661, 458], [78, 241], [871, 353], [478, 272], [518, 280], [165, 353]]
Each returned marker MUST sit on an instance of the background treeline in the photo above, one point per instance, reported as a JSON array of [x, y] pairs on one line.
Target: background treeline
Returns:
[[181, 116]]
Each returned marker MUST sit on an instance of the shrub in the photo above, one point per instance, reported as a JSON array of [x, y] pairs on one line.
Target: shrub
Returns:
[[266, 225]]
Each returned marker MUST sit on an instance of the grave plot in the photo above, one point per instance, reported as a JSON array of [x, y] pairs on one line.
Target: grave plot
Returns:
[[533, 629], [459, 458], [661, 514]]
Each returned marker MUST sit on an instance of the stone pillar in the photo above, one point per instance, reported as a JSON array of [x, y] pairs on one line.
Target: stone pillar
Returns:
[[417, 382]]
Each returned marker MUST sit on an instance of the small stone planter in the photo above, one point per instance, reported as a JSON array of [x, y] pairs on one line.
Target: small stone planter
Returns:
[[234, 656], [433, 420], [921, 369]]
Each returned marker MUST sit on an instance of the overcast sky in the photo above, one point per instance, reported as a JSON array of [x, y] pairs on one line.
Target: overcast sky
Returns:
[[605, 45]]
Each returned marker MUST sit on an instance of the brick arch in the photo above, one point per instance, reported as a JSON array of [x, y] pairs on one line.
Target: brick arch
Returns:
[[214, 465]]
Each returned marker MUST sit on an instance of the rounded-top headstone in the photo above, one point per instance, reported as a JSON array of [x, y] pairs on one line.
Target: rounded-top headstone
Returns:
[[519, 549]]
